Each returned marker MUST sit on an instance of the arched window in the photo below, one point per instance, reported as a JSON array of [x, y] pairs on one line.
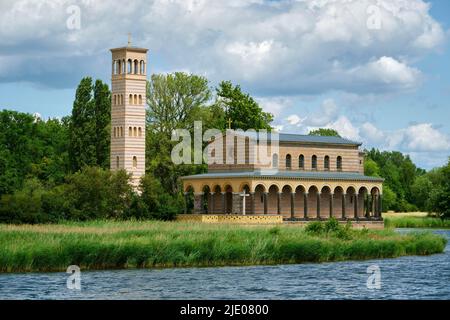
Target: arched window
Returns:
[[301, 162], [275, 160], [136, 67], [140, 132], [339, 163], [114, 67], [135, 131], [115, 100], [119, 67], [117, 162], [135, 99], [130, 131], [121, 99], [288, 162], [140, 99], [130, 66], [314, 162], [130, 98], [142, 67], [326, 163], [121, 131], [123, 66], [115, 134], [134, 162]]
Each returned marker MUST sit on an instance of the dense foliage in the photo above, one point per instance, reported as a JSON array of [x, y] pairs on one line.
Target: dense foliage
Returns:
[[408, 188]]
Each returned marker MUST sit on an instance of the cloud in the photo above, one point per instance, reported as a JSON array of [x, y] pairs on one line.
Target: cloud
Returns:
[[371, 133], [273, 48]]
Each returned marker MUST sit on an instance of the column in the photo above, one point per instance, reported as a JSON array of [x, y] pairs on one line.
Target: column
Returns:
[[343, 205], [211, 210], [224, 206], [279, 203], [198, 197], [305, 206], [356, 206], [373, 212], [331, 204], [318, 205], [292, 205], [252, 202], [380, 206], [265, 202]]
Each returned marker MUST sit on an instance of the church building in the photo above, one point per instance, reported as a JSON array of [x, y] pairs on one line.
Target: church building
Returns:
[[306, 178]]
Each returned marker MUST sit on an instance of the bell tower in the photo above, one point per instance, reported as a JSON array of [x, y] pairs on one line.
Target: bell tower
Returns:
[[128, 94]]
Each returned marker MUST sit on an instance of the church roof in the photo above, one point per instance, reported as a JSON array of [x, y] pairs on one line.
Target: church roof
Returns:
[[275, 174], [300, 138]]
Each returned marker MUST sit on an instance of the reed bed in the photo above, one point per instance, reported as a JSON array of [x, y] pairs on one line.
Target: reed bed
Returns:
[[118, 245]]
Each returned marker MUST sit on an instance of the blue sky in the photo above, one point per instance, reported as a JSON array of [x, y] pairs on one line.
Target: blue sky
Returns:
[[378, 71]]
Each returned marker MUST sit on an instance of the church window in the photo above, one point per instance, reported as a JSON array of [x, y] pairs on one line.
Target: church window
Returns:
[[314, 162], [288, 162]]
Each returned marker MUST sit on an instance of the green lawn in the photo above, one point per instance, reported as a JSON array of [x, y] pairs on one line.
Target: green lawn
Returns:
[[108, 245]]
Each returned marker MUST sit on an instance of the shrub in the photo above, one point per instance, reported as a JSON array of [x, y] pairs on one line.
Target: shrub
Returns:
[[315, 227]]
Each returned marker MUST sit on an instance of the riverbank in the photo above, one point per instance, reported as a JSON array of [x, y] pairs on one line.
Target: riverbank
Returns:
[[119, 245], [414, 220]]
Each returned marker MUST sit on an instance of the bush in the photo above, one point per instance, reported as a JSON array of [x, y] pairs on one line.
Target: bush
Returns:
[[315, 227]]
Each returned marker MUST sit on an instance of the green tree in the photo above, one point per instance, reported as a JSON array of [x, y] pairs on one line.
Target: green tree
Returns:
[[440, 200], [371, 168], [389, 199], [243, 111], [175, 100], [90, 125], [102, 101], [324, 132], [421, 189]]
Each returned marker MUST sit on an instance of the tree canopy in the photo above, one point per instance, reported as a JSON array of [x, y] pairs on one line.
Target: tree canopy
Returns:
[[324, 132]]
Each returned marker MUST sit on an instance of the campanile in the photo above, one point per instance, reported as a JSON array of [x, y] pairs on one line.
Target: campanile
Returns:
[[128, 94]]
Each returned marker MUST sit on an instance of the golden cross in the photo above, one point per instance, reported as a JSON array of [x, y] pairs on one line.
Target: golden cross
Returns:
[[129, 39], [229, 123]]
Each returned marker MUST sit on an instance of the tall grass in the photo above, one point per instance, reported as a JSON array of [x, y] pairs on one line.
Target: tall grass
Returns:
[[416, 222], [111, 245]]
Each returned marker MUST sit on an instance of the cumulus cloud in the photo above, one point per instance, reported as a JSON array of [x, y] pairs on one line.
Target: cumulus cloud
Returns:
[[271, 47]]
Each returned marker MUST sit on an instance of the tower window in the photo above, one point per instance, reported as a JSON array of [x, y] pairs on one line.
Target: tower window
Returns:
[[140, 132], [130, 132], [117, 162], [136, 67], [142, 67], [135, 131], [135, 99], [140, 99], [130, 98], [134, 162], [327, 163], [130, 66]]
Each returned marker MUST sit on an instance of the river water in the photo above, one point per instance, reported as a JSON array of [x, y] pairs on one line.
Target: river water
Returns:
[[416, 277]]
